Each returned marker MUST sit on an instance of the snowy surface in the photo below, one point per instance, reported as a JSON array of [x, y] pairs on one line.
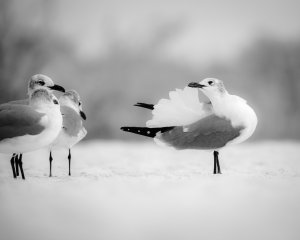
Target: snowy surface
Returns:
[[137, 191]]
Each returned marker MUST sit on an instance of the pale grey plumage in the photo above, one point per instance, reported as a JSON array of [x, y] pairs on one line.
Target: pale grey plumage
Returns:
[[18, 120], [211, 132], [72, 122]]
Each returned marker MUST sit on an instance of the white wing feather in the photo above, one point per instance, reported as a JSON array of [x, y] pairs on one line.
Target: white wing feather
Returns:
[[181, 109]]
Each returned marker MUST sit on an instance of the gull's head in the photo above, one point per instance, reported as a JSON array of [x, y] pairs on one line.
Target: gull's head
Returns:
[[40, 81], [43, 98], [72, 99], [211, 87]]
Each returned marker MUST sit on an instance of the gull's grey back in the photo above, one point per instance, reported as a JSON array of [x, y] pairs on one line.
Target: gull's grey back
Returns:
[[210, 132]]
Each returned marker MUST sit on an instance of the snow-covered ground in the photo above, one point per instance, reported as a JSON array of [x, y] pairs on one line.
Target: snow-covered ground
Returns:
[[137, 191]]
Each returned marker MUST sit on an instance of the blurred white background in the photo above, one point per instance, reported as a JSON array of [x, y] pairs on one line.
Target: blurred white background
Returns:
[[116, 53]]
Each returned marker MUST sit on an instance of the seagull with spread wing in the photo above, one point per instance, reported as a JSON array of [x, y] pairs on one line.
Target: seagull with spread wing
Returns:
[[183, 122]]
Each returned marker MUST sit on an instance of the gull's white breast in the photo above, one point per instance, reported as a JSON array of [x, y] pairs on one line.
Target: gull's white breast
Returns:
[[237, 110]]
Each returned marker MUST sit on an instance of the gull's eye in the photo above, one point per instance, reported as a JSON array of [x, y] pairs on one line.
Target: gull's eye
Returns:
[[211, 83], [42, 83], [55, 101]]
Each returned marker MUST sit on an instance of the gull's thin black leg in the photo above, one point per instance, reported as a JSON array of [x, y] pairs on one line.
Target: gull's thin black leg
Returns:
[[12, 162], [17, 165], [50, 161], [69, 157], [215, 163], [217, 168], [21, 166]]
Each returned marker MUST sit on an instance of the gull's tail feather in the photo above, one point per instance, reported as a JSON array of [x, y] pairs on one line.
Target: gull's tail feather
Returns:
[[148, 132], [182, 108], [145, 105]]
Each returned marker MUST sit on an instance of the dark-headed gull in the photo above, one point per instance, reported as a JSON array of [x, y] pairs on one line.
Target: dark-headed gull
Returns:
[[37, 81], [186, 123], [72, 131], [25, 128]]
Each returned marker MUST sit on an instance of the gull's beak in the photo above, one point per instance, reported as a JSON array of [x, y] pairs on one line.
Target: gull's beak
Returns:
[[82, 114], [196, 85], [57, 88]]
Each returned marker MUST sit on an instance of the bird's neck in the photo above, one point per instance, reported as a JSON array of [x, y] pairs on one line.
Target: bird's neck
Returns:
[[30, 91], [64, 101], [41, 106], [224, 104], [219, 99]]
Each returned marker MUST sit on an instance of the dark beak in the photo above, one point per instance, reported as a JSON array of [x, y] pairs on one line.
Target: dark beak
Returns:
[[82, 114], [57, 88], [196, 85]]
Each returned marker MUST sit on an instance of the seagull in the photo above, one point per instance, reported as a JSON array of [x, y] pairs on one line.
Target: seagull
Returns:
[[37, 81], [184, 122], [25, 128], [72, 131]]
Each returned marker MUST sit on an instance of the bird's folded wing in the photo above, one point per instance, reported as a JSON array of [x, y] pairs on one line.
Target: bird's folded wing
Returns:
[[82, 133], [210, 132], [21, 102], [210, 124], [72, 122], [18, 120], [182, 108]]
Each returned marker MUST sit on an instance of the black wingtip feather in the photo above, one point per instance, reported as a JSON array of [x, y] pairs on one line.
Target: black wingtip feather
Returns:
[[145, 105], [144, 131]]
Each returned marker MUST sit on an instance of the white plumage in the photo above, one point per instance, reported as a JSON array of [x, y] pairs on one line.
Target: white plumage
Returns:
[[37, 81], [182, 108], [26, 128], [183, 122], [72, 130]]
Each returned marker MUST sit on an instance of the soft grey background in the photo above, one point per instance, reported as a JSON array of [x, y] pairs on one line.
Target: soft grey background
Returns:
[[115, 53]]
